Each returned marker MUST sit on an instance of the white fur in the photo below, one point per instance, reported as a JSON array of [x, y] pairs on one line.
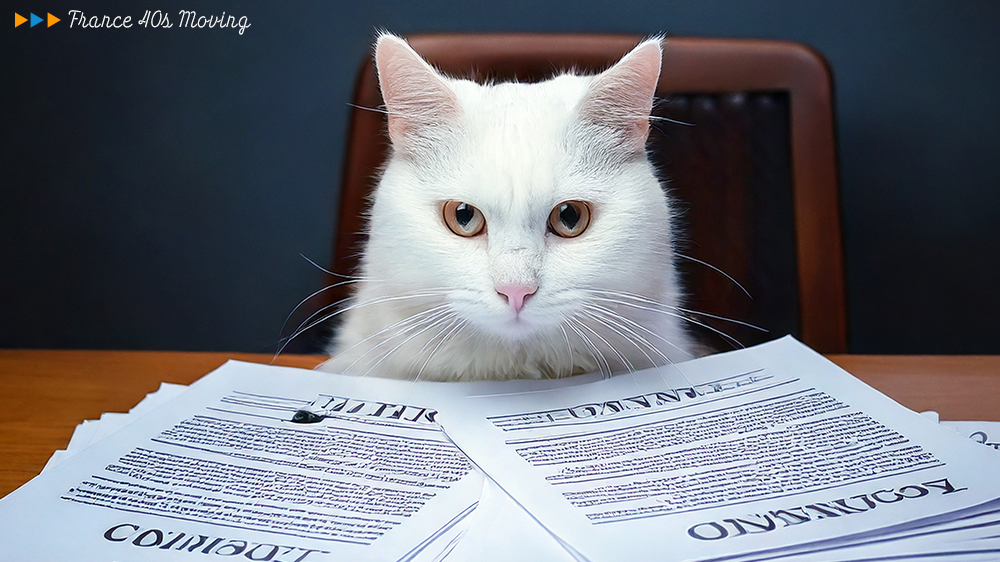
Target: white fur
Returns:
[[514, 151]]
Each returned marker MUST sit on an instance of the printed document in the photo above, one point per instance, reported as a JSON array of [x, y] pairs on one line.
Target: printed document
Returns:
[[224, 471], [727, 455]]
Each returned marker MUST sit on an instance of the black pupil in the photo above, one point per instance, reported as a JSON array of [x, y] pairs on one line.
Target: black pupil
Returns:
[[568, 215], [464, 214]]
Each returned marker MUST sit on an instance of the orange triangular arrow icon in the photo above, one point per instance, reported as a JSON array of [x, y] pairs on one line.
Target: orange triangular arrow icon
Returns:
[[19, 19], [52, 20]]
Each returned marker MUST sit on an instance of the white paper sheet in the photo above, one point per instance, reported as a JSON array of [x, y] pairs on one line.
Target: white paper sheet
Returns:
[[221, 471], [773, 446], [502, 530], [91, 431], [982, 432]]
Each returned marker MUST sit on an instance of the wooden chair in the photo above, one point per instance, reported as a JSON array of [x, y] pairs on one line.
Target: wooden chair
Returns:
[[748, 147]]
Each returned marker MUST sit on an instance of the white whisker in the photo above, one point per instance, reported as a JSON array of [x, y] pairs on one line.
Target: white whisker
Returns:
[[673, 314], [325, 270], [606, 323], [454, 331], [300, 330], [630, 336], [572, 359], [386, 355], [595, 352], [622, 358], [710, 266], [419, 321], [626, 320], [405, 326], [723, 318], [647, 330], [669, 120], [416, 355], [376, 110], [303, 301], [625, 294]]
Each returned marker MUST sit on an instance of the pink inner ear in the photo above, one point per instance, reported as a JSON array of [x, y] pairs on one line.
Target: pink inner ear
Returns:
[[415, 95], [622, 96]]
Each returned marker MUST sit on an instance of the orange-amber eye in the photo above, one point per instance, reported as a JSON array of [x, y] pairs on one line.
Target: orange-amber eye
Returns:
[[463, 219], [570, 218]]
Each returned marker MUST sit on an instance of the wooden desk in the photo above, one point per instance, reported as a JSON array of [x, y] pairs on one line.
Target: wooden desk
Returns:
[[45, 394]]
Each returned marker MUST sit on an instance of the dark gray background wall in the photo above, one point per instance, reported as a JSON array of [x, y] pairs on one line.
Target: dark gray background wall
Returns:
[[157, 186]]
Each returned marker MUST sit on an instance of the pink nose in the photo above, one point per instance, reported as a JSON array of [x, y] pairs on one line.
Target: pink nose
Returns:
[[516, 295]]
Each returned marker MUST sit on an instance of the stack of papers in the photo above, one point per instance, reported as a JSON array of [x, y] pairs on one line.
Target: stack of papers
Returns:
[[768, 453]]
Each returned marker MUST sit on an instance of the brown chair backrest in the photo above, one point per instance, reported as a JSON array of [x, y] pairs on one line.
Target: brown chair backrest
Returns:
[[748, 150]]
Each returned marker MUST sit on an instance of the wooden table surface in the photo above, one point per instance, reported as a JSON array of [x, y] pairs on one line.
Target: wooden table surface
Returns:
[[45, 394]]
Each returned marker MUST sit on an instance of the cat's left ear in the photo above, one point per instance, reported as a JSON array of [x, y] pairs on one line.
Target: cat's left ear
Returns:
[[621, 98]]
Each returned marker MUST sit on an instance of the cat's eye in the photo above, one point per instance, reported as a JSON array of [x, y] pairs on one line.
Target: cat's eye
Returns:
[[569, 218], [463, 219]]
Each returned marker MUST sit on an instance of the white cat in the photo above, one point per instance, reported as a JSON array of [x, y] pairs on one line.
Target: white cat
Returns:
[[518, 230]]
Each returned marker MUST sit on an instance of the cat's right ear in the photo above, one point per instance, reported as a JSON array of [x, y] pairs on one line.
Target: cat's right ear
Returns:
[[417, 98], [621, 98]]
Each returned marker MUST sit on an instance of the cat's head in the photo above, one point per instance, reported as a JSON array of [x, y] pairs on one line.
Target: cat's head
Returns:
[[514, 203]]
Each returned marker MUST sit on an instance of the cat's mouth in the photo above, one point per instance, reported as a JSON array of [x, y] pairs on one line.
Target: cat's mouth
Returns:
[[517, 322], [519, 326], [510, 325]]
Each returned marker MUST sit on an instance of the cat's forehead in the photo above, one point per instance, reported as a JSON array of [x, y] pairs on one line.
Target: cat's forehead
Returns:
[[514, 150], [513, 108]]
